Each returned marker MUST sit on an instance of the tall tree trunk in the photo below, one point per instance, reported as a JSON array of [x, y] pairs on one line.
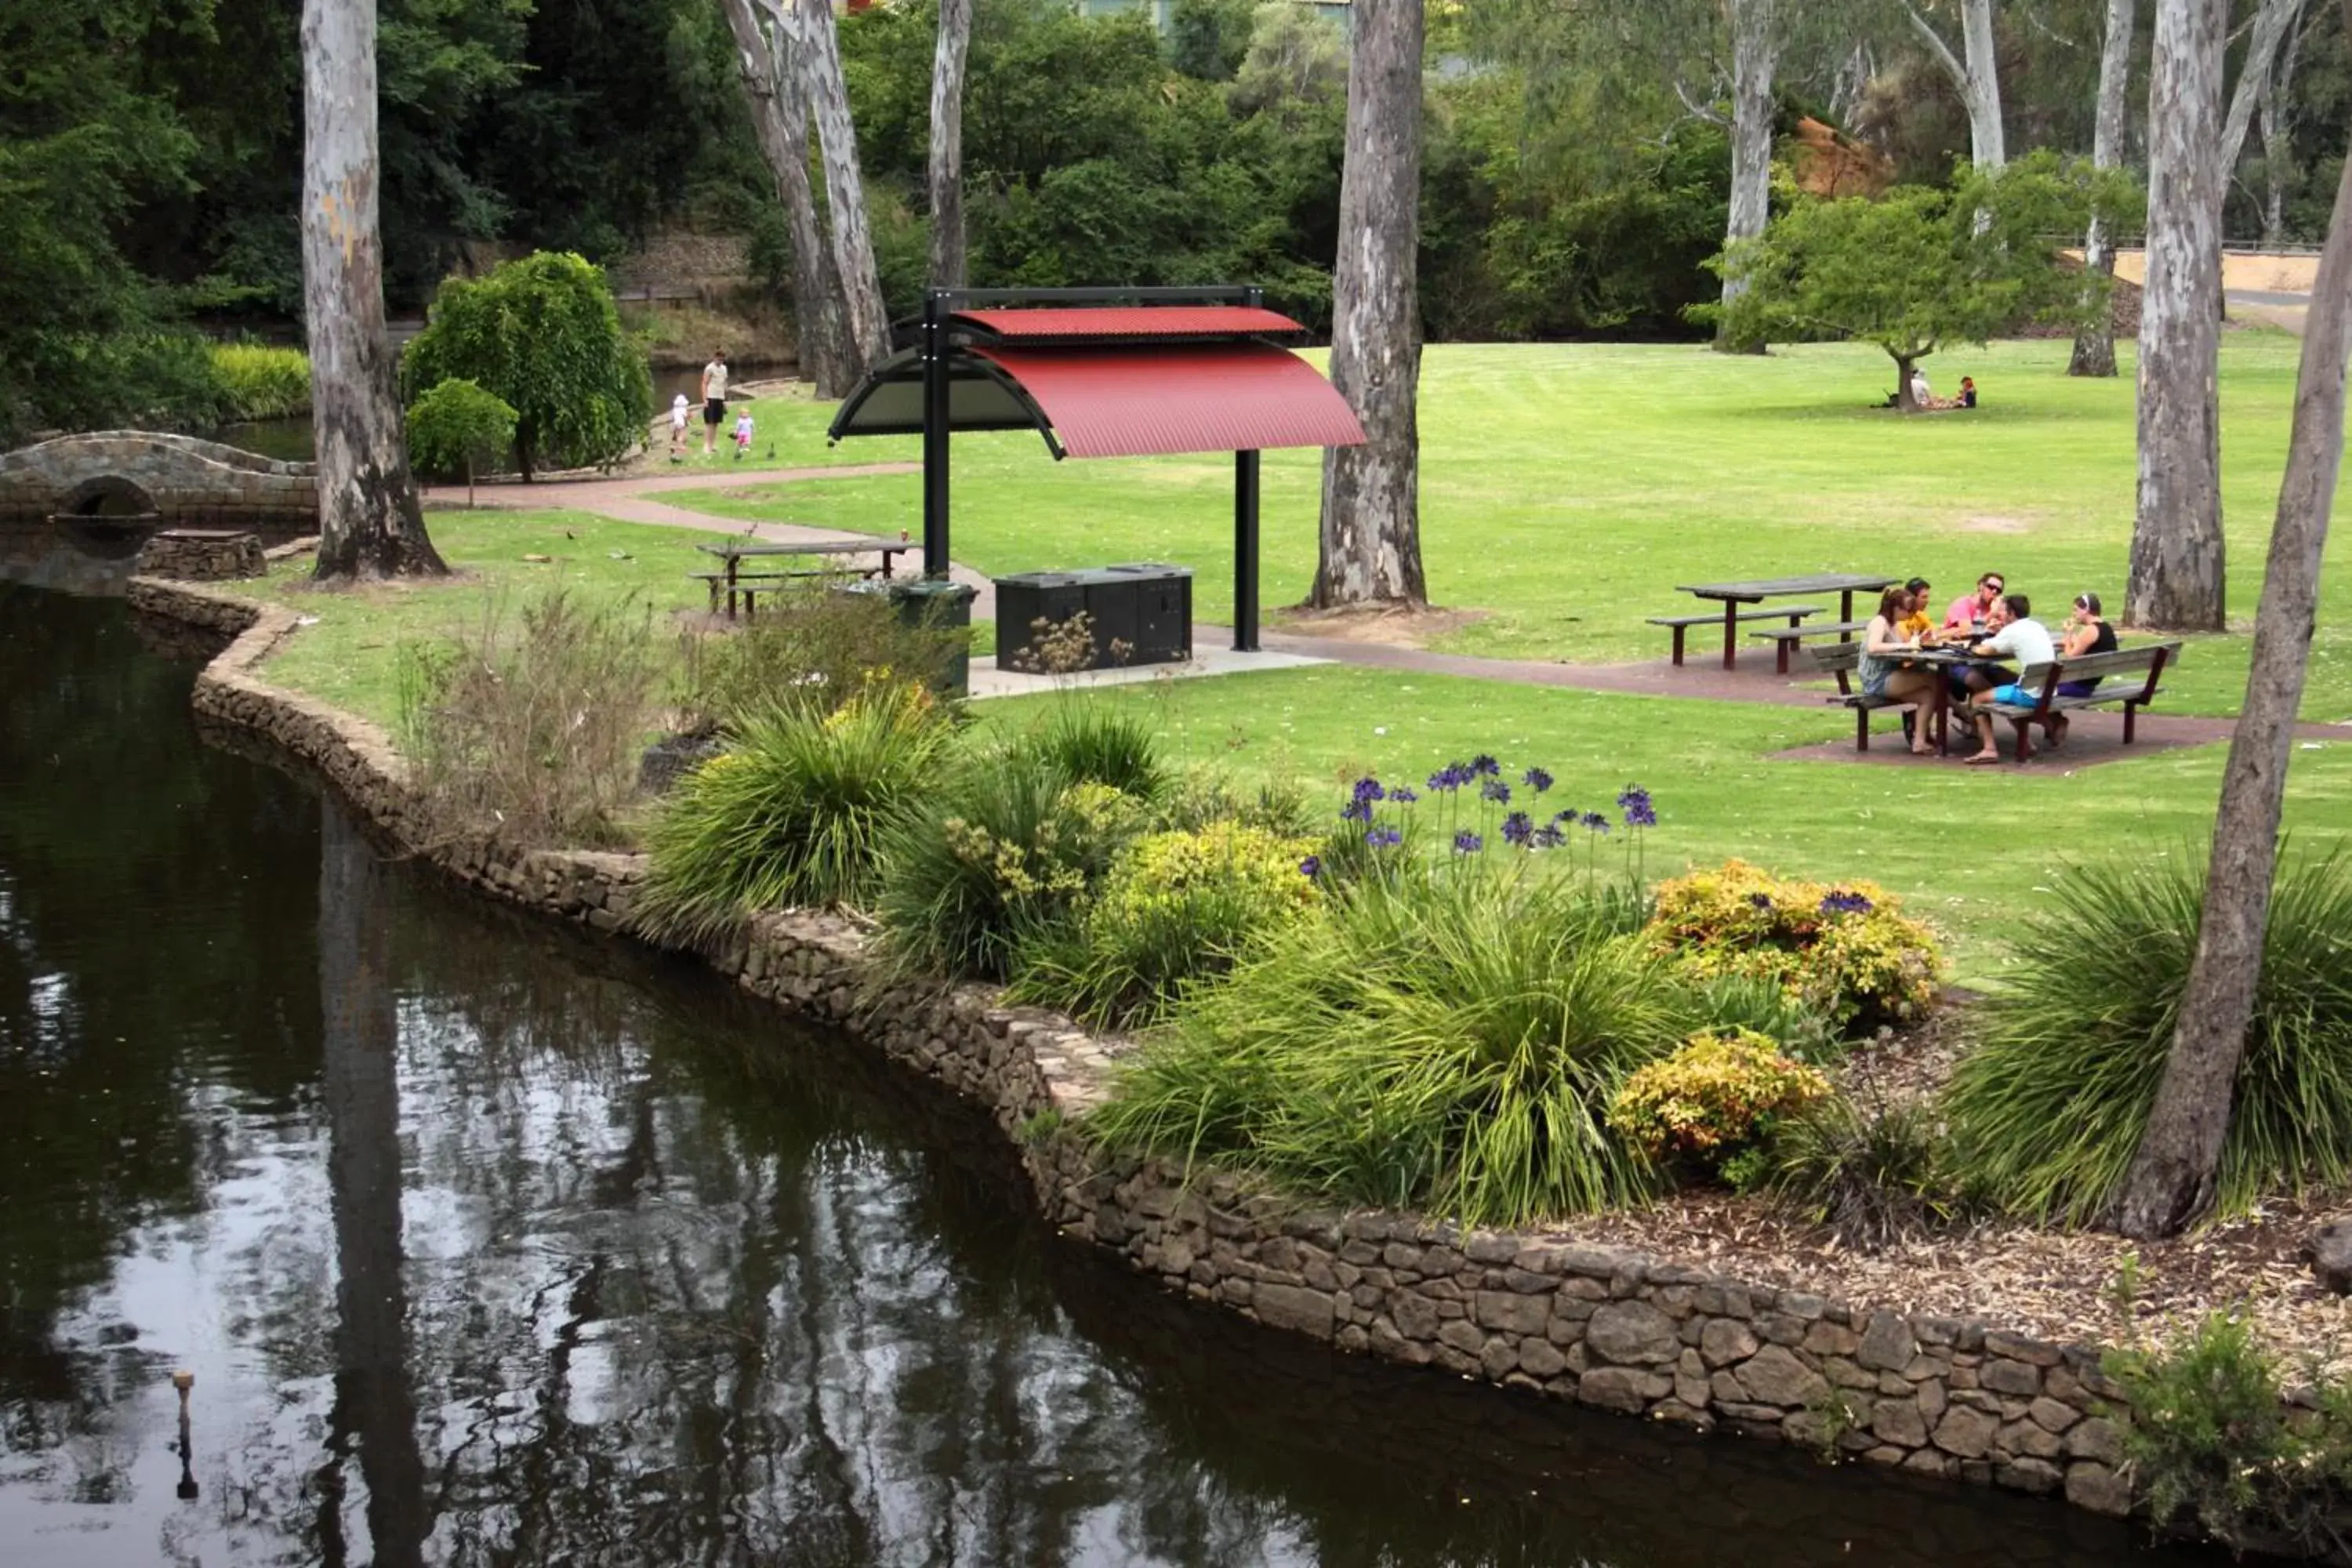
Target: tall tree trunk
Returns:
[[2174, 1171], [2271, 23], [946, 143], [2275, 111], [2095, 345], [1976, 72], [361, 1089], [1755, 57], [813, 51], [370, 524], [2177, 578], [1371, 494], [780, 120]]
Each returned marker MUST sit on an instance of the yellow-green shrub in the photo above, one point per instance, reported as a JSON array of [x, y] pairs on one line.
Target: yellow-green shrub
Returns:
[[1176, 906], [1716, 1095], [257, 381], [1845, 947]]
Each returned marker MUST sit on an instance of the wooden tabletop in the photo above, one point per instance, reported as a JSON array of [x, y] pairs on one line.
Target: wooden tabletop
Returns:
[[1782, 588], [736, 550]]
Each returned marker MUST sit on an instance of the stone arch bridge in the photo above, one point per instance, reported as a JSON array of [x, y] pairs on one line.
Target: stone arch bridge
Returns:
[[108, 490]]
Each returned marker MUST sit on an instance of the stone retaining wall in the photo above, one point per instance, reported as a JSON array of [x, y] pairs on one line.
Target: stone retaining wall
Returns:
[[1605, 1327], [202, 556]]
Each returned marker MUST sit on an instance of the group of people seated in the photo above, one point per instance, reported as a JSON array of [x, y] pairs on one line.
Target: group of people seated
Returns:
[[1924, 396], [1989, 623]]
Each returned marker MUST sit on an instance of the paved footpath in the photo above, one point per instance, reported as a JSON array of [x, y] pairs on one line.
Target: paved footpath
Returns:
[[628, 501]]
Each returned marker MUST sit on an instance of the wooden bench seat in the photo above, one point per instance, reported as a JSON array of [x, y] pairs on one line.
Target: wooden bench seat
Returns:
[[1789, 636], [1793, 613], [1842, 659], [2113, 671], [748, 585]]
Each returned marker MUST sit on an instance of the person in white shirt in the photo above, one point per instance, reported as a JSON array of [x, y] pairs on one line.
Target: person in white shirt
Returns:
[[2015, 636], [714, 401], [677, 429]]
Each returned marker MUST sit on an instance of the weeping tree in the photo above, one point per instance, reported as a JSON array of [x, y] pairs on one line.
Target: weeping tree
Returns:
[[812, 50], [780, 122], [2175, 1170], [2095, 345], [1370, 538], [946, 143], [370, 524]]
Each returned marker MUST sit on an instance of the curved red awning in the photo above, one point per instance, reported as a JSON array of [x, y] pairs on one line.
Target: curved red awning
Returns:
[[1083, 323], [1145, 399]]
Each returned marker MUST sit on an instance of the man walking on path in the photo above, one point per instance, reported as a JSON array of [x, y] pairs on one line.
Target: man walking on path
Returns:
[[714, 401]]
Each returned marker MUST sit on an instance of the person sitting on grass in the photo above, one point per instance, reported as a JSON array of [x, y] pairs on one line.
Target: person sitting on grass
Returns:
[[1883, 676], [1967, 398], [2015, 634]]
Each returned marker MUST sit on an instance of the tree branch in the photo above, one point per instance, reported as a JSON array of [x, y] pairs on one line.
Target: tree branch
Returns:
[[1942, 50]]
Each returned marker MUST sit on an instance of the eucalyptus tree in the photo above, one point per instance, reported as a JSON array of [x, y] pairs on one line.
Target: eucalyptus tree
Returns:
[[780, 122], [1370, 534], [812, 49], [2174, 1171], [1975, 71], [2095, 345], [369, 522], [946, 171]]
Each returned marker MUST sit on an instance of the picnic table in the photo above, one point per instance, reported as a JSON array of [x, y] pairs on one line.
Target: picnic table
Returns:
[[1732, 596], [733, 580]]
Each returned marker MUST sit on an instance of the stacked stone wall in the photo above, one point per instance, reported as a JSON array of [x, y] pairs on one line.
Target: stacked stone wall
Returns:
[[186, 483], [1618, 1330], [202, 556]]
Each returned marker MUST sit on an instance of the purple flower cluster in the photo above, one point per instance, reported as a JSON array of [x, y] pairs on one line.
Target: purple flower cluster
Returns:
[[1359, 804], [1467, 843], [1497, 791], [1384, 837], [1634, 801], [1839, 901], [1519, 829], [1536, 780], [1311, 867]]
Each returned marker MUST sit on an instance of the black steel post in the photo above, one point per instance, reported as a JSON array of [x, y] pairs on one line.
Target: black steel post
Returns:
[[935, 433], [1245, 552]]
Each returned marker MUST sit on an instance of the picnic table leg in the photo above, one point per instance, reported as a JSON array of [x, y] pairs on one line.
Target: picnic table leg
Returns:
[[1845, 606], [1678, 647], [1730, 632]]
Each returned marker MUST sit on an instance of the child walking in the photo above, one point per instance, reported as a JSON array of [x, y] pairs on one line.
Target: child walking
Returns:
[[677, 429], [742, 436]]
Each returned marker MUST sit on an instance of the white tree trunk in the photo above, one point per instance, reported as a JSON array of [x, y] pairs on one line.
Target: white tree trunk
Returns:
[[947, 144], [780, 120], [370, 524], [2094, 346], [813, 49], [1755, 57], [2176, 566], [2174, 1171], [1977, 75], [1370, 545], [2275, 112], [2272, 24]]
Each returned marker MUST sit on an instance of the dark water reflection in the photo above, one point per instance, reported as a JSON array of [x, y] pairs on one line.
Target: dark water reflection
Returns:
[[487, 1244]]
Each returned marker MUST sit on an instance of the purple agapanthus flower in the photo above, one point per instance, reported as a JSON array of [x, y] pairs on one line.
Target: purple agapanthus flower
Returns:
[[1484, 766], [1449, 778], [1467, 843], [1356, 811], [1404, 795], [1311, 867], [1536, 780], [1497, 791], [1519, 829], [1384, 838], [1595, 823], [1368, 788], [1841, 902], [1636, 801], [1548, 837]]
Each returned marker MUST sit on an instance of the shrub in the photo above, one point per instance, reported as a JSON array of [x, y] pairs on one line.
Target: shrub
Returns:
[[1845, 950], [1177, 906], [2210, 1439], [542, 332], [2051, 1105], [1005, 848], [533, 721], [259, 382], [1088, 742], [1769, 1009], [1714, 1096], [1199, 796], [456, 428], [1451, 1044], [812, 648], [793, 814], [1873, 1172]]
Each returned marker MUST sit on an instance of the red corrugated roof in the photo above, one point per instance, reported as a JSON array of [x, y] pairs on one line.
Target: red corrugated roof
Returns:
[[1131, 322], [1180, 398]]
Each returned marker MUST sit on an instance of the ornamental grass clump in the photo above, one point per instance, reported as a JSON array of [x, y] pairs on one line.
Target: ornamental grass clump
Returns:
[[1448, 1043], [1717, 1096], [1088, 742], [1176, 907], [1845, 948], [1873, 1169], [812, 648], [2052, 1103], [793, 813]]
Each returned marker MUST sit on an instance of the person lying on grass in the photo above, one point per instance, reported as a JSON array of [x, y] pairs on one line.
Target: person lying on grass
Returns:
[[2015, 634], [1883, 674]]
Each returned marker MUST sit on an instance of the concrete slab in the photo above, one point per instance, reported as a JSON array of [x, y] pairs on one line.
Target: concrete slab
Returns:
[[987, 680]]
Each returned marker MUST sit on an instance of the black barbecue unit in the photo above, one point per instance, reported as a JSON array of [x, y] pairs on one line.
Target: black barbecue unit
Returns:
[[1144, 607]]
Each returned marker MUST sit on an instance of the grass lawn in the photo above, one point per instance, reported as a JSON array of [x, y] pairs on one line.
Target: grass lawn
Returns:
[[1566, 489], [1966, 847]]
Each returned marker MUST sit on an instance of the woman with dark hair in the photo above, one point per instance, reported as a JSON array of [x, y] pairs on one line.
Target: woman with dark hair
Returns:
[[1883, 674], [2081, 633]]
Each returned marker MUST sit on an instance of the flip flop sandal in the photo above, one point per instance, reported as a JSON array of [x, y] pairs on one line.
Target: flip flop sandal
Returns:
[[1984, 758]]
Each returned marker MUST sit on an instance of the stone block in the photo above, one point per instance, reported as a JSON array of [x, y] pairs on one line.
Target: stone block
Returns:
[[2096, 1438], [1775, 1376], [2052, 1415], [2019, 1378], [1727, 1340], [1299, 1310], [2098, 1488], [1887, 1344], [1508, 1312], [1966, 1434], [1631, 1333], [1899, 1421], [1623, 1388], [2038, 1476]]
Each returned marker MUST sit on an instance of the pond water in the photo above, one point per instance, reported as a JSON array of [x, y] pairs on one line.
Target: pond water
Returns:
[[487, 1243]]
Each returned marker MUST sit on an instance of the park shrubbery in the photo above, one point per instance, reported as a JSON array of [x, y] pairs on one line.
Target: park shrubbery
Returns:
[[814, 649], [259, 382], [1717, 1097], [2050, 1106]]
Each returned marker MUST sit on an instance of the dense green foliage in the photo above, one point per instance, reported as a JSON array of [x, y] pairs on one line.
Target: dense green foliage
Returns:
[[259, 382], [543, 335], [1719, 1094], [1871, 1169], [455, 426], [812, 649], [2051, 1105], [793, 813]]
